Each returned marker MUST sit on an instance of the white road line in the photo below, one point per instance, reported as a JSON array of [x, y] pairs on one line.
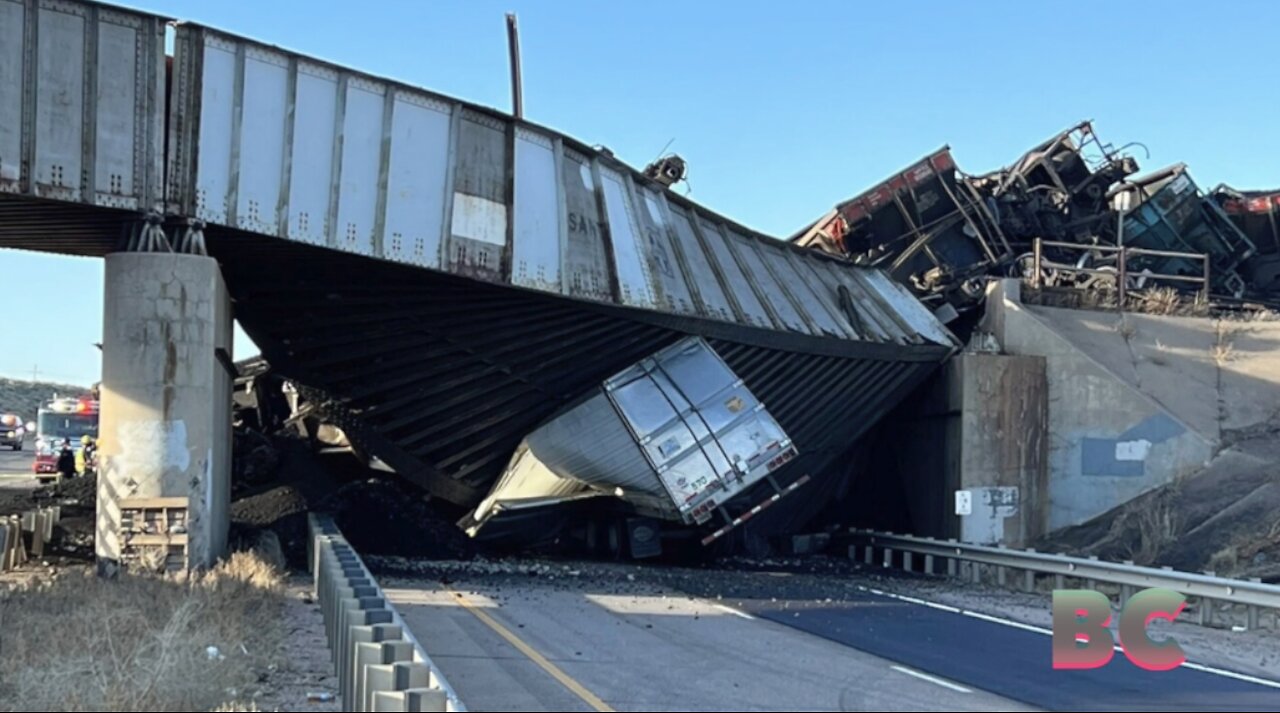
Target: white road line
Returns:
[[733, 611], [1007, 622], [931, 679], [1047, 632], [1231, 674]]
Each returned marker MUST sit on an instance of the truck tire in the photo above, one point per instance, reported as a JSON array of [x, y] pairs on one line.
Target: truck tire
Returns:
[[17, 447]]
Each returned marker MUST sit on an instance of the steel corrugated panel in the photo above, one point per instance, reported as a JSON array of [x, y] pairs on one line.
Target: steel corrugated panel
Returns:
[[522, 204], [452, 373], [82, 103]]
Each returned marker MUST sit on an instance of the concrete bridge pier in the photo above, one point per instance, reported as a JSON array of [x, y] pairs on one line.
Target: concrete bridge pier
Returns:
[[164, 484]]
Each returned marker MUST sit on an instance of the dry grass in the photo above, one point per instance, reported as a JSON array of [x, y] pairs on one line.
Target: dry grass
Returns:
[[1225, 562], [1223, 349], [1149, 526], [198, 643], [1168, 301], [1158, 358], [1160, 300]]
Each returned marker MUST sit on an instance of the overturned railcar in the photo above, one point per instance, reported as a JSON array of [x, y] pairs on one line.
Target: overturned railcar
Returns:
[[924, 226], [1257, 215], [1166, 210]]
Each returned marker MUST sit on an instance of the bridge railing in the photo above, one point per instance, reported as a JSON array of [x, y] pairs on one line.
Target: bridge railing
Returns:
[[929, 556], [379, 663]]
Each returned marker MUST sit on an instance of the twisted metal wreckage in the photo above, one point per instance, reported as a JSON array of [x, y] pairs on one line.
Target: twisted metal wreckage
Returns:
[[1068, 213]]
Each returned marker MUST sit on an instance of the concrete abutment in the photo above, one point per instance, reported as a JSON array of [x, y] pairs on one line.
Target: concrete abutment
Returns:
[[165, 431]]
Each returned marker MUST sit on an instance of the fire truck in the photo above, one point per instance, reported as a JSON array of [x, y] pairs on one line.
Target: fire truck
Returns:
[[59, 420]]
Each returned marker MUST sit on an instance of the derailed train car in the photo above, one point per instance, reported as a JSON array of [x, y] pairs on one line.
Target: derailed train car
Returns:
[[942, 232], [1257, 215], [1167, 211]]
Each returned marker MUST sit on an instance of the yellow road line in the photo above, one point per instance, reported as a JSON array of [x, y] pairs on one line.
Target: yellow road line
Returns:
[[578, 689]]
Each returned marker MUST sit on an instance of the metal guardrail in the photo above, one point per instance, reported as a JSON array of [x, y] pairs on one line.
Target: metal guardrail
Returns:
[[1206, 587], [379, 663], [1121, 273]]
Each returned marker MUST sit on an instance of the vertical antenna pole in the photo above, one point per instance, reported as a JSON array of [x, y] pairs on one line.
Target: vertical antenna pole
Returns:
[[513, 46]]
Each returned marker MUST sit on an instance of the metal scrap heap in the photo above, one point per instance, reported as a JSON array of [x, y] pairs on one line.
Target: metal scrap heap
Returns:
[[1068, 213]]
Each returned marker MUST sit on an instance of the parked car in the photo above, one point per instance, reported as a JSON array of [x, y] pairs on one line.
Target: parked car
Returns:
[[12, 431]]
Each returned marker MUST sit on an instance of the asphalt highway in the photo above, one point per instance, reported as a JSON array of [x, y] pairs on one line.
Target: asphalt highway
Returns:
[[515, 642]]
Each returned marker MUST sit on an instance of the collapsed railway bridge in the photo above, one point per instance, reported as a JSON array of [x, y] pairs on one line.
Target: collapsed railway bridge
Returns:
[[452, 279]]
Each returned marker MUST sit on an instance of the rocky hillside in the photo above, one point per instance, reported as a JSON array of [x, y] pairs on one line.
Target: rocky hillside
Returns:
[[24, 397]]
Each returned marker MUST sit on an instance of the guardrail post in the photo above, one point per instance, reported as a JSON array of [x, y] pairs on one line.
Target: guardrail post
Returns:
[[1206, 605], [1252, 614], [1091, 583], [1122, 278], [928, 564], [869, 554], [374, 656], [1037, 255], [1029, 580], [358, 621], [349, 678], [953, 567], [975, 570], [401, 676], [907, 561], [419, 699], [1126, 590], [888, 557], [1059, 581], [348, 610], [1205, 292]]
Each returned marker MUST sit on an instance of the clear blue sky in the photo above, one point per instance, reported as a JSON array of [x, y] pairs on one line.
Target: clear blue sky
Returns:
[[781, 108]]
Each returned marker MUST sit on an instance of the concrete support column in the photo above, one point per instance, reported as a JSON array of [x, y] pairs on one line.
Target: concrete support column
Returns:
[[165, 423]]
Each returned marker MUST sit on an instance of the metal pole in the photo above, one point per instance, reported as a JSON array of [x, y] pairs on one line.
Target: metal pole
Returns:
[[513, 47], [1035, 278], [1206, 277], [1120, 285]]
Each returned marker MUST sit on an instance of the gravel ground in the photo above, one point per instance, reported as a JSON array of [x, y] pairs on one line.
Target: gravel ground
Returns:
[[308, 669]]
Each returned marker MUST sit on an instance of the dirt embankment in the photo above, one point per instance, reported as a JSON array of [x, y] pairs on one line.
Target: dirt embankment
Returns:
[[1225, 518]]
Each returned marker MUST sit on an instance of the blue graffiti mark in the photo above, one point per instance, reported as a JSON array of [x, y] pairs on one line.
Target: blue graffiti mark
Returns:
[[1157, 429], [1098, 455]]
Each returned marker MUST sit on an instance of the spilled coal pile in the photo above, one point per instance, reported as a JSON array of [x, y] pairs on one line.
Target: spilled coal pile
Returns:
[[379, 515]]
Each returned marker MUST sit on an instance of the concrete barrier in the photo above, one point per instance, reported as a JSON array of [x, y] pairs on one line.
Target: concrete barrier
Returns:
[[379, 664], [39, 524]]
